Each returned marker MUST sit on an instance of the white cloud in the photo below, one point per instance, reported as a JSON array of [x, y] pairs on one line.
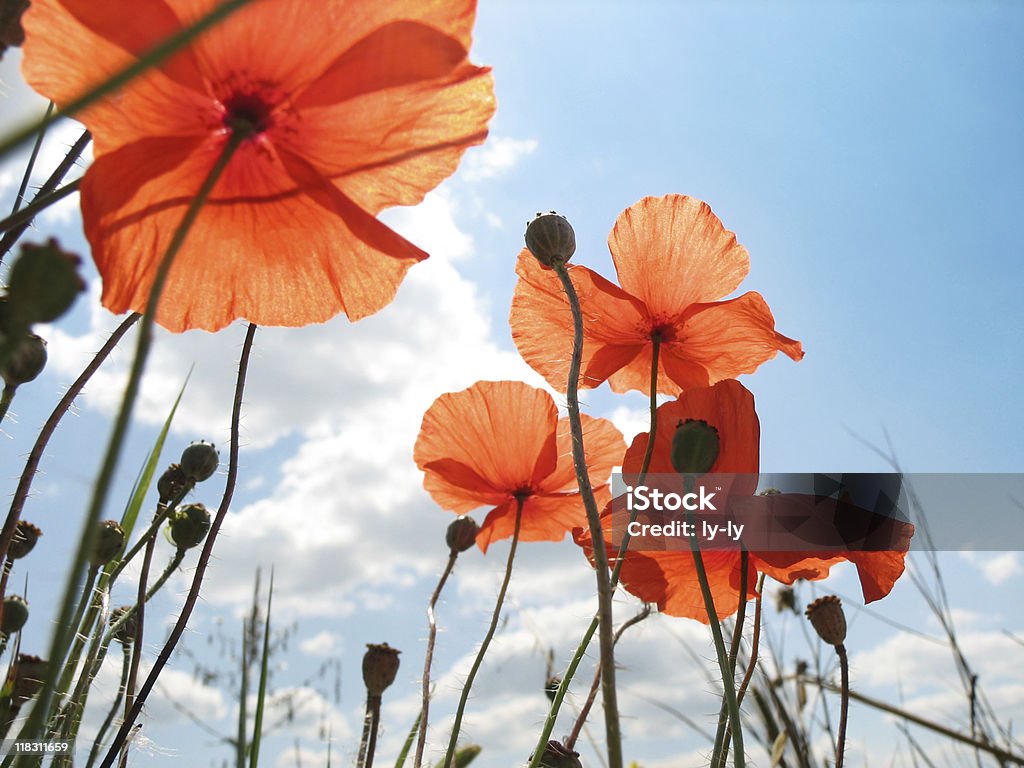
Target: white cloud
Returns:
[[499, 155], [996, 568], [323, 643]]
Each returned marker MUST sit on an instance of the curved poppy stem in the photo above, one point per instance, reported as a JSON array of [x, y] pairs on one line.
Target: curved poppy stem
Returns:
[[449, 754], [421, 740], [723, 733], [204, 558], [613, 734], [563, 686], [844, 703]]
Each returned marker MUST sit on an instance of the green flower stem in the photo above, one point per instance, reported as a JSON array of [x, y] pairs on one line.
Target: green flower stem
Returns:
[[723, 733], [126, 659], [81, 633], [163, 511], [140, 618], [421, 740], [844, 703], [563, 686], [27, 176], [36, 455], [755, 642], [61, 641], [152, 58], [613, 734], [728, 682], [204, 558], [449, 755]]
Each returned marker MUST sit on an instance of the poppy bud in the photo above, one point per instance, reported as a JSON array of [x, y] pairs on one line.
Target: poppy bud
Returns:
[[695, 447], [461, 533], [556, 755], [27, 361], [189, 526], [550, 238], [15, 614], [827, 618], [29, 675], [466, 755], [124, 634], [199, 461], [380, 667], [25, 537], [172, 483], [108, 543], [785, 600], [43, 284]]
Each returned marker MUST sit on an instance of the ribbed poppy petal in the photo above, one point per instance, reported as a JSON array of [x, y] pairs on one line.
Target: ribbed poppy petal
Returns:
[[728, 407], [457, 487], [546, 517], [603, 447], [503, 431], [672, 251], [730, 338], [878, 572], [542, 327], [787, 567], [674, 373]]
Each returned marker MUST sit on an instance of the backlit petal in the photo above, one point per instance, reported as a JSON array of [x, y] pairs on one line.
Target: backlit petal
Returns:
[[603, 446], [672, 251], [546, 517]]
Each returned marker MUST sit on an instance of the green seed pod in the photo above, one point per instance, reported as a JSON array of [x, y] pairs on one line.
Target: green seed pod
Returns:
[[380, 667], [171, 483], [25, 537], [557, 755], [189, 526], [125, 634], [108, 544], [551, 239], [461, 533], [695, 447], [15, 614], [26, 361], [43, 284], [199, 461]]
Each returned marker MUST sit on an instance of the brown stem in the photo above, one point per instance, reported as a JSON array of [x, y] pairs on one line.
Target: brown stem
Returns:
[[844, 702], [204, 559], [421, 740], [140, 615]]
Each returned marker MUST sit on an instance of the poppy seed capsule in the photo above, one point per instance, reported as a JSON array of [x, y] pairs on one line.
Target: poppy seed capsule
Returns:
[[29, 673], [827, 618], [125, 633], [199, 461], [189, 526], [172, 483], [15, 614], [461, 533], [25, 537], [43, 284], [108, 543], [551, 239], [380, 667], [26, 361], [695, 447], [557, 755]]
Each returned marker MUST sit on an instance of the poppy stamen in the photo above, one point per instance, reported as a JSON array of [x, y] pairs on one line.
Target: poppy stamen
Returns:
[[247, 114]]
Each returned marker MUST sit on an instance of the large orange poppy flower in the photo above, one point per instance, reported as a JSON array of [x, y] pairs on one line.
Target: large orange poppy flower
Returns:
[[673, 258], [669, 578], [352, 106], [500, 441]]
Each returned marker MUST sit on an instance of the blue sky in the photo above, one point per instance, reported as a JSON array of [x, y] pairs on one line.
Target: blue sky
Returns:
[[870, 159]]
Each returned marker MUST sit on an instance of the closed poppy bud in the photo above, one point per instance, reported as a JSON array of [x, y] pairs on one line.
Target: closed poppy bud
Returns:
[[171, 483], [43, 284], [199, 461], [695, 447], [125, 632], [189, 526], [109, 540], [15, 614], [29, 674], [26, 361], [380, 667], [25, 537], [556, 755], [550, 238], [827, 618], [461, 533]]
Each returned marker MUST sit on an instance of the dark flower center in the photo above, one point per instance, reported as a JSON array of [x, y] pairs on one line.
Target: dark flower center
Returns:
[[523, 492], [663, 332], [247, 113]]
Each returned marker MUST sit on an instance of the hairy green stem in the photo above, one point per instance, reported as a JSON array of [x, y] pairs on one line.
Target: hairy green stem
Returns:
[[449, 755], [421, 740], [97, 744]]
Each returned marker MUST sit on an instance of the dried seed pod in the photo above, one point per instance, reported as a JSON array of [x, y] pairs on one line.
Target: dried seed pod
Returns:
[[461, 533], [108, 543], [380, 667], [827, 618], [171, 483], [551, 239], [24, 540]]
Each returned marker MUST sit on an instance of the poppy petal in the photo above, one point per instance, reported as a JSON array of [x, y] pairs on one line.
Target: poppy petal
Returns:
[[542, 326], [730, 338], [603, 447], [546, 517], [672, 251], [675, 374], [878, 572], [457, 487], [504, 431]]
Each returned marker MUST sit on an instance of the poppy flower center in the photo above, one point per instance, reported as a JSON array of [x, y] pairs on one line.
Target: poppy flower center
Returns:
[[663, 332], [247, 113], [523, 492]]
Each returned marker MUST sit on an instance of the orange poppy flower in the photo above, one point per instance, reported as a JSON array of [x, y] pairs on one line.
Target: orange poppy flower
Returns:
[[669, 578], [673, 258], [352, 107], [502, 440]]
